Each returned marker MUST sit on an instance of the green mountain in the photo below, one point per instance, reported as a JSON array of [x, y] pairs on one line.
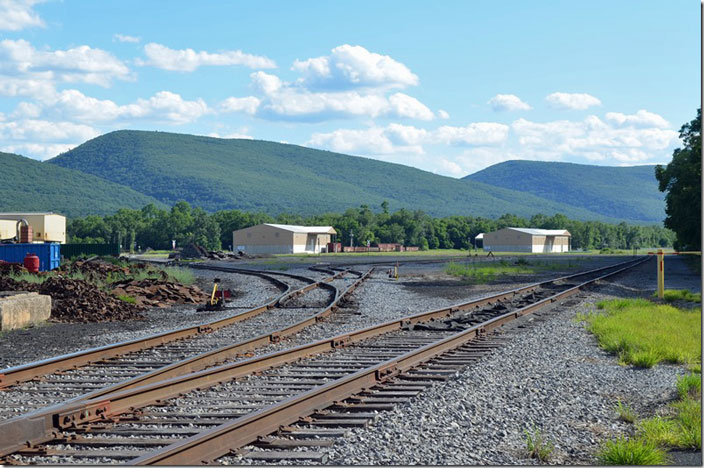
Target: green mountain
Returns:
[[29, 185], [219, 174], [630, 193]]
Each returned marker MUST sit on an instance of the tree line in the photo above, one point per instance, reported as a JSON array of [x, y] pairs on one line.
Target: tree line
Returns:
[[156, 228]]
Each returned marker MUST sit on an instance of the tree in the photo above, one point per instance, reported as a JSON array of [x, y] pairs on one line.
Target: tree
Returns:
[[681, 179]]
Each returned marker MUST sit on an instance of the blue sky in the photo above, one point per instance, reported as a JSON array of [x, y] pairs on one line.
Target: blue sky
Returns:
[[450, 87]]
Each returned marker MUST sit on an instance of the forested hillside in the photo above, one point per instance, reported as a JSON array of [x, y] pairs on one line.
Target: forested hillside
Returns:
[[252, 175], [29, 185], [630, 193]]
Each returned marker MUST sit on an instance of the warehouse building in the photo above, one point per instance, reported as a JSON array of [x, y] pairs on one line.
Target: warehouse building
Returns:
[[282, 239], [46, 227], [528, 240]]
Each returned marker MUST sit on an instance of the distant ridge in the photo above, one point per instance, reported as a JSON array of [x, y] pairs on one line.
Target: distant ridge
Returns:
[[29, 185], [273, 177], [630, 193]]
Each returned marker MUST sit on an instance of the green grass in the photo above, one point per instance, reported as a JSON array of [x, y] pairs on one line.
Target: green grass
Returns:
[[180, 275], [625, 413], [127, 299], [672, 295], [537, 446], [643, 334], [485, 272], [29, 277], [631, 452], [682, 429]]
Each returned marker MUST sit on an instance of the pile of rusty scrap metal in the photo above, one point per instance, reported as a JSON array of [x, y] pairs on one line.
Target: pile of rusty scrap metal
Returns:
[[196, 251], [74, 300], [99, 291], [151, 292]]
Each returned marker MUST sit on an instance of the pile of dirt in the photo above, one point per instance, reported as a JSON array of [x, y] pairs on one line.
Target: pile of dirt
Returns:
[[158, 293], [77, 300]]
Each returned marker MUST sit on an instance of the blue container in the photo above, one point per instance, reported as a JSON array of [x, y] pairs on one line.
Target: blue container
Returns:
[[49, 254]]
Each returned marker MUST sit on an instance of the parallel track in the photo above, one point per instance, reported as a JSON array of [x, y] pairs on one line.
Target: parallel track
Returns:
[[201, 416], [73, 375]]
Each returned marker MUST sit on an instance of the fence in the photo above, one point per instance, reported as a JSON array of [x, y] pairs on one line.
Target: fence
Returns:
[[87, 250]]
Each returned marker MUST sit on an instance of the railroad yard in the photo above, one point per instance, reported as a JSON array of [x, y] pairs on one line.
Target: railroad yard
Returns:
[[298, 369]]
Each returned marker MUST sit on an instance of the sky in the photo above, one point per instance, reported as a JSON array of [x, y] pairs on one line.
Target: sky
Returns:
[[449, 87]]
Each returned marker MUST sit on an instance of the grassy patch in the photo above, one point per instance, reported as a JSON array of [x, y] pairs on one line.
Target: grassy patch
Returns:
[[537, 446], [180, 275], [29, 277], [631, 452], [625, 413], [128, 299], [485, 272], [672, 295], [643, 334], [689, 386]]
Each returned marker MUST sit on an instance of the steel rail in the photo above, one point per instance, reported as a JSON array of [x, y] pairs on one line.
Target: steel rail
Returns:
[[213, 443], [45, 424], [22, 373], [37, 425]]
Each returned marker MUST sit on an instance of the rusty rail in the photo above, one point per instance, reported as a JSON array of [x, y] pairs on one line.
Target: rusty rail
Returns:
[[18, 374], [44, 425], [221, 440]]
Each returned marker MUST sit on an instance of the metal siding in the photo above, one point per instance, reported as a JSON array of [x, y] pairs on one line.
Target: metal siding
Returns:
[[49, 254]]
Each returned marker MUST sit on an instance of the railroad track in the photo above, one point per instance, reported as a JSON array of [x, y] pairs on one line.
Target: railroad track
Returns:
[[70, 376], [284, 401]]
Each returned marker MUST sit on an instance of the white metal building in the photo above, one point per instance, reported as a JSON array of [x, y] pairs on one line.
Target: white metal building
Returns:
[[46, 227], [282, 239], [528, 240]]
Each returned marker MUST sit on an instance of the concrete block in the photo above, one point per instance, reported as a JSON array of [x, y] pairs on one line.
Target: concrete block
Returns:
[[20, 309]]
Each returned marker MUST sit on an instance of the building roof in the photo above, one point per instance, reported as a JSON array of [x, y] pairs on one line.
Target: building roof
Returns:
[[542, 232], [479, 236], [304, 229], [33, 213]]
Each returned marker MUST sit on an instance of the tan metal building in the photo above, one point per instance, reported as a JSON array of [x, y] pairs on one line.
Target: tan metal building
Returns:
[[282, 239], [528, 240], [46, 227]]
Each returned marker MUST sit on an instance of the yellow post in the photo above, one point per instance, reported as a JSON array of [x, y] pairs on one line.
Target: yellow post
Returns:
[[661, 274]]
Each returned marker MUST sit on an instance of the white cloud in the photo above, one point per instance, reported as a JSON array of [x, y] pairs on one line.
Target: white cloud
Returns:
[[242, 135], [27, 110], [187, 60], [403, 105], [126, 38], [39, 151], [478, 133], [20, 87], [373, 140], [642, 118], [592, 139], [450, 167], [43, 130], [443, 114], [43, 139], [16, 15], [248, 105], [288, 101], [575, 101], [507, 102], [163, 106], [350, 66], [396, 138], [20, 60]]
